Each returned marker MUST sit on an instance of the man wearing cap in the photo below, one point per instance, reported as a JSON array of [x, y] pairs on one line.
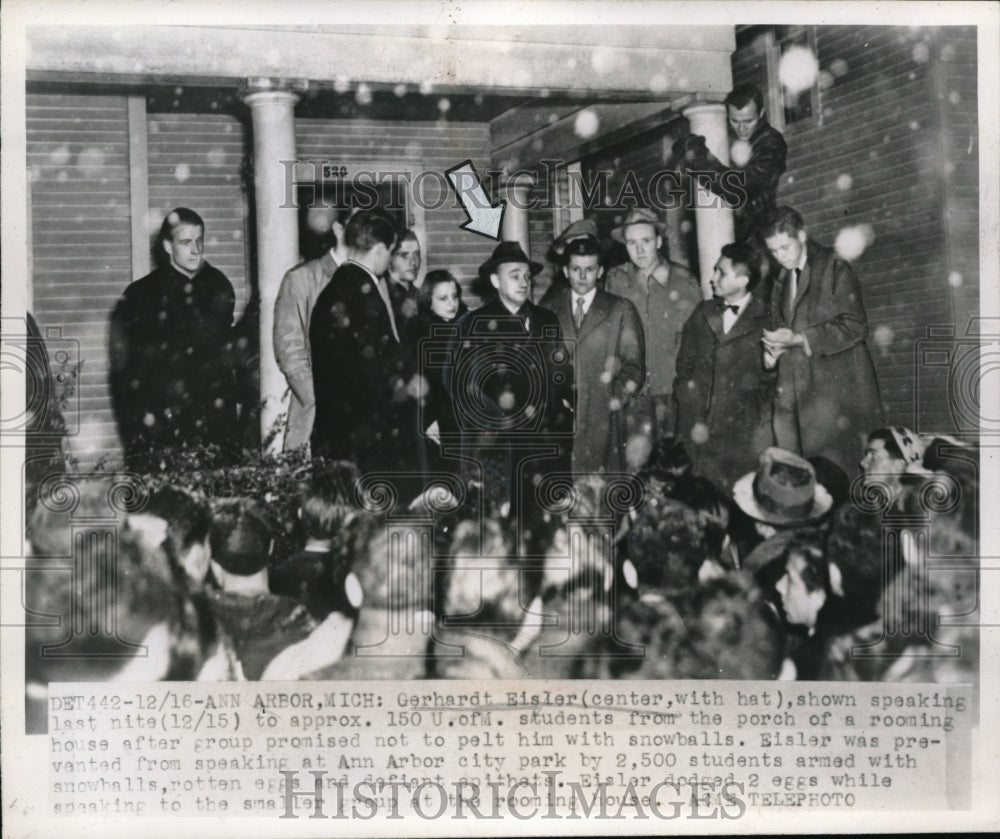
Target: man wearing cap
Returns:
[[665, 295], [510, 377], [827, 396]]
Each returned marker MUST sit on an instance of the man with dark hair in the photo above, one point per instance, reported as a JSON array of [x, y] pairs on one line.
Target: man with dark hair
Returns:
[[356, 359], [609, 355], [723, 392], [757, 152], [827, 395], [404, 266], [173, 385], [293, 309]]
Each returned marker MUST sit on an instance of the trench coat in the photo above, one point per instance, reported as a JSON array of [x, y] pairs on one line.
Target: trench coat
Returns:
[[609, 358], [827, 403], [724, 395]]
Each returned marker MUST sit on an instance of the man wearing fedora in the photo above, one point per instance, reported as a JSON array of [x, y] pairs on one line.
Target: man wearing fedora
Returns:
[[510, 377], [780, 496], [665, 295]]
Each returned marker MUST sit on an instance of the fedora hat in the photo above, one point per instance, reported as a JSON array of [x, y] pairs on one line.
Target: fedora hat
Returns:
[[507, 252], [640, 215], [782, 491]]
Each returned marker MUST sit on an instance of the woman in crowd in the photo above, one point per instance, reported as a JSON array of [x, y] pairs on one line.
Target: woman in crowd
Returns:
[[439, 304]]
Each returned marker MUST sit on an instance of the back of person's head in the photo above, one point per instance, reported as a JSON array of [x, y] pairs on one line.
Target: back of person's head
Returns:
[[188, 516], [328, 501], [712, 504], [746, 262], [394, 571], [368, 228], [241, 536], [667, 461], [146, 624], [742, 95], [730, 633], [781, 220], [667, 545]]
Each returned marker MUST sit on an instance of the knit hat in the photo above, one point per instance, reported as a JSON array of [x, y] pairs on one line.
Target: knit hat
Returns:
[[241, 536]]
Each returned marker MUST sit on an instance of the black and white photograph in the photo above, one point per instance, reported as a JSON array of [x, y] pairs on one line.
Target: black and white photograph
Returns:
[[422, 418]]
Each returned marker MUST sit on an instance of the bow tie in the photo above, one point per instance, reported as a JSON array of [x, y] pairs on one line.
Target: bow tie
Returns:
[[732, 307]]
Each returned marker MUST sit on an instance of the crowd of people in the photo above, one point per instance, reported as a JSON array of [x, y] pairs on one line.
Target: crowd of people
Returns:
[[622, 480]]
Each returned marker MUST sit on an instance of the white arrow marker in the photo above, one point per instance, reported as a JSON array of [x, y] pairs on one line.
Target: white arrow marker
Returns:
[[484, 218]]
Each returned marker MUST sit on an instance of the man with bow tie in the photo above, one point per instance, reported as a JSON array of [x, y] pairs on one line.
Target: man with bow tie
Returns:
[[510, 379], [827, 398], [723, 391]]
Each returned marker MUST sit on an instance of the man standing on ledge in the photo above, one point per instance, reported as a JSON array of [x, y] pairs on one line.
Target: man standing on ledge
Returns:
[[665, 295], [827, 399], [757, 151], [172, 378]]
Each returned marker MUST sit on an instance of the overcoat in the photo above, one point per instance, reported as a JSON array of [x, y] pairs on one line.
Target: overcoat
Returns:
[[609, 362], [293, 308], [172, 377], [357, 376], [724, 394], [828, 403]]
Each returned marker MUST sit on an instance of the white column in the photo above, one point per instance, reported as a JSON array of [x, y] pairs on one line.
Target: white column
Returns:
[[713, 221], [272, 108], [515, 217]]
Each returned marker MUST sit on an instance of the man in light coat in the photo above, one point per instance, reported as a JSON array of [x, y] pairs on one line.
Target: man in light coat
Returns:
[[604, 334], [292, 310]]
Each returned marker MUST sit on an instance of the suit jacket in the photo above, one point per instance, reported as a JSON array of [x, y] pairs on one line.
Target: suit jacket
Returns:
[[293, 309], [357, 378], [724, 390], [609, 355], [828, 403], [509, 388]]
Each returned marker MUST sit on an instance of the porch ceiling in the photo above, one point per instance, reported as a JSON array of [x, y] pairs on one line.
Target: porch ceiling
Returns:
[[529, 83]]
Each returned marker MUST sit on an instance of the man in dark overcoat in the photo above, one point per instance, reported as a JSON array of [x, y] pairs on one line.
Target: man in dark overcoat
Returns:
[[723, 392], [173, 383], [510, 380], [605, 338], [356, 360], [827, 399]]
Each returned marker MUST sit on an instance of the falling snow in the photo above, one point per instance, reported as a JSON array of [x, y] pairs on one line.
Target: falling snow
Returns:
[[586, 124], [798, 69], [851, 242]]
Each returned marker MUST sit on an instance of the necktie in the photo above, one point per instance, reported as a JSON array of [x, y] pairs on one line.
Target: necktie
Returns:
[[793, 290], [383, 291], [578, 314]]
